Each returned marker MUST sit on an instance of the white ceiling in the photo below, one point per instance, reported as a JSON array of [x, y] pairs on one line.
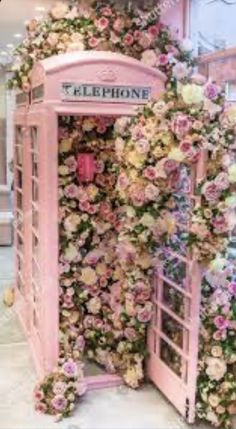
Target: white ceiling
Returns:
[[13, 14]]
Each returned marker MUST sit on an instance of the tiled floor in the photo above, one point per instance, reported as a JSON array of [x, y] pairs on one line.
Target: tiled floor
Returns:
[[117, 408]]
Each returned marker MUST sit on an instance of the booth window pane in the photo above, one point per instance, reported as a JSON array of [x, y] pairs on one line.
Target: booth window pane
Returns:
[[34, 139]]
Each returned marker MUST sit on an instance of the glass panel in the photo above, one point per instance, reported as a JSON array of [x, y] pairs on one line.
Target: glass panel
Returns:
[[170, 357], [35, 243], [19, 283], [19, 179], [35, 218], [173, 330], [34, 138], [35, 193], [35, 271], [34, 164], [174, 269], [18, 135], [19, 200], [19, 263], [175, 301], [19, 156]]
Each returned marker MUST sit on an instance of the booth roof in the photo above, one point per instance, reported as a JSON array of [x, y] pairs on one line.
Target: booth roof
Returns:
[[62, 61]]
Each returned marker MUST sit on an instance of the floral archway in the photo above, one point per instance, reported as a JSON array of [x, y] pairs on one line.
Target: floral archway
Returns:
[[132, 216]]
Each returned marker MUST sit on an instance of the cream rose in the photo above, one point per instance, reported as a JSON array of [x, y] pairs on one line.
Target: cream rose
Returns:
[[230, 115], [136, 159], [176, 154], [147, 220], [232, 173], [192, 94], [216, 368], [213, 400], [71, 253], [59, 11], [63, 170], [88, 276]]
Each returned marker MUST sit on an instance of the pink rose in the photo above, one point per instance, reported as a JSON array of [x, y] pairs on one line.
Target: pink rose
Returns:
[[211, 91], [118, 25], [232, 288], [102, 23], [144, 314], [38, 395], [41, 407], [220, 224], [106, 11], [93, 42], [154, 30], [222, 181], [151, 192], [163, 59], [71, 163], [137, 195], [84, 206], [221, 323], [123, 181], [150, 173], [59, 402], [128, 39], [71, 191], [210, 191], [181, 125], [170, 165], [130, 334]]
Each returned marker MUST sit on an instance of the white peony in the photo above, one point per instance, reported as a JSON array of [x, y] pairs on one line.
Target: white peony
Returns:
[[59, 11], [216, 368], [232, 173], [192, 93]]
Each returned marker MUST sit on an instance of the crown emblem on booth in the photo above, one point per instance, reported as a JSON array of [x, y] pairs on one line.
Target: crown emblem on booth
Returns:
[[107, 75]]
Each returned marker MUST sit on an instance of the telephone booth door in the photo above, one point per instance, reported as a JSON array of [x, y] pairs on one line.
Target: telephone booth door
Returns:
[[174, 331]]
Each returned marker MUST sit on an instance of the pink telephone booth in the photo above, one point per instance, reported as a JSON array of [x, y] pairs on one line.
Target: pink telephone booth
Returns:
[[85, 84]]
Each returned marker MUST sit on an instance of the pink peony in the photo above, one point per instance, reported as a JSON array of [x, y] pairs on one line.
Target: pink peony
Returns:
[[181, 125], [59, 402], [150, 173]]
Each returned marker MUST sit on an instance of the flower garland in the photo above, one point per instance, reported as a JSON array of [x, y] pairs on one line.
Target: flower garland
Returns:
[[105, 305]]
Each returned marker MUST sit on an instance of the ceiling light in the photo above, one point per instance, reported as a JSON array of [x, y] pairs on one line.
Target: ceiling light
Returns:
[[18, 36], [10, 46], [40, 8], [3, 53]]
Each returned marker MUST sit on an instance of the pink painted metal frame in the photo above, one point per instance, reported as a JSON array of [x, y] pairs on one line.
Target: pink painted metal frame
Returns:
[[180, 390], [85, 67]]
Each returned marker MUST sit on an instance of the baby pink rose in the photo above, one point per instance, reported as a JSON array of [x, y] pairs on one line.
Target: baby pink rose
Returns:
[[130, 334], [144, 314], [221, 323], [71, 191], [118, 25], [222, 181], [71, 163], [151, 192]]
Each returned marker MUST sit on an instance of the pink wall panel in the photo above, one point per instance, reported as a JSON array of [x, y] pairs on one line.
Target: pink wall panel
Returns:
[[175, 14]]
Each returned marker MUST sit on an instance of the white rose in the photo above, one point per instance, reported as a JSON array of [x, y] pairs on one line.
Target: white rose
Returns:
[[176, 154], [216, 368], [75, 46], [192, 93], [232, 173], [71, 253], [130, 212], [71, 222], [147, 220], [60, 10]]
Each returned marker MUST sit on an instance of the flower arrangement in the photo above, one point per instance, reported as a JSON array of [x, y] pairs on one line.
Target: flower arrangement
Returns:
[[112, 231], [60, 390]]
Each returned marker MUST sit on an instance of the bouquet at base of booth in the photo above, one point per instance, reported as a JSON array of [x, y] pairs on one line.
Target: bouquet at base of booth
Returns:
[[59, 392]]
